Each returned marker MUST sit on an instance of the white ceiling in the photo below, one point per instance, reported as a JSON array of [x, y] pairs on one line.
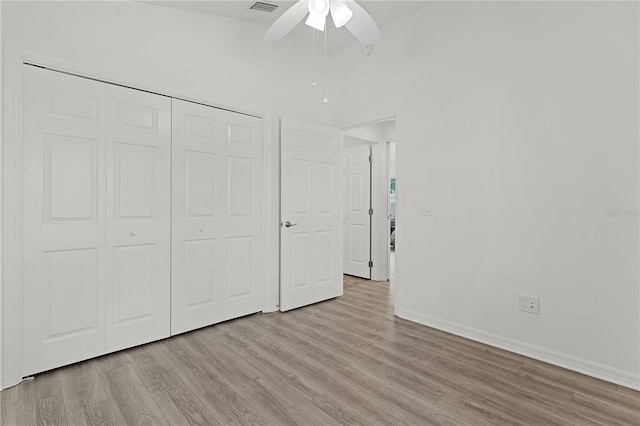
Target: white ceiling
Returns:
[[382, 12]]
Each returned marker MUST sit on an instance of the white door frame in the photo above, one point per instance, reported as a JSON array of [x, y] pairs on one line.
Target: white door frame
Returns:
[[388, 149], [11, 202], [385, 164], [347, 240], [380, 167]]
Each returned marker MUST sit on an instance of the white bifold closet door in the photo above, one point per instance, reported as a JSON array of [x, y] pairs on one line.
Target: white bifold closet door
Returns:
[[217, 229], [64, 181], [96, 185], [138, 251]]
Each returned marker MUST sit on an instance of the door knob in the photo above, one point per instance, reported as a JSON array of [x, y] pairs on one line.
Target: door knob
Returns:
[[288, 224], [201, 229], [133, 233]]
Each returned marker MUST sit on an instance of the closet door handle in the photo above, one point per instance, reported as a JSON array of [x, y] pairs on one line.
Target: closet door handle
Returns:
[[133, 233], [201, 229]]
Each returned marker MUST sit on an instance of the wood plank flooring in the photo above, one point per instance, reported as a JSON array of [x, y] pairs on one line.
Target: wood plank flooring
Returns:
[[346, 361]]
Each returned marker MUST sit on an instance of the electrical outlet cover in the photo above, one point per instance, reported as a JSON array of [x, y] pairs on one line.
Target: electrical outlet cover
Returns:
[[530, 304]]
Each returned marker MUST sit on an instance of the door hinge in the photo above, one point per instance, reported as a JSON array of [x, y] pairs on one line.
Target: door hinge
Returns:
[[370, 212], [370, 264], [371, 159]]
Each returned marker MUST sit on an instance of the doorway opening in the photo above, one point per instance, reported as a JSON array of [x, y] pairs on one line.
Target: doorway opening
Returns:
[[369, 202], [391, 161]]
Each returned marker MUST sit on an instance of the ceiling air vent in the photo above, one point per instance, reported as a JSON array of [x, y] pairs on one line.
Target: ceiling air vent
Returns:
[[263, 7]]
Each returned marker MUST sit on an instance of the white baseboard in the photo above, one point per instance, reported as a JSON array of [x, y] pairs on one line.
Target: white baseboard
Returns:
[[570, 362]]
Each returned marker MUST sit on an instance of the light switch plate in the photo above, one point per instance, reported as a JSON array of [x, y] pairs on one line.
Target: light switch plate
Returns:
[[424, 209]]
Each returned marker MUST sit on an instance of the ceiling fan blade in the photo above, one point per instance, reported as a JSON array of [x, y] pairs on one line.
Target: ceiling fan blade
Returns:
[[361, 25], [287, 21]]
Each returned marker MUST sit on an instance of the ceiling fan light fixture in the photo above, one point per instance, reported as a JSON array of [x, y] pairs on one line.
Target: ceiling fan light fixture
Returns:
[[340, 13], [318, 11], [347, 13], [316, 22], [319, 7]]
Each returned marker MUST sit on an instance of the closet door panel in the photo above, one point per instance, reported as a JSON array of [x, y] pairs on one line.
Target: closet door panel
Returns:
[[64, 221], [99, 259], [138, 217], [216, 230], [243, 228]]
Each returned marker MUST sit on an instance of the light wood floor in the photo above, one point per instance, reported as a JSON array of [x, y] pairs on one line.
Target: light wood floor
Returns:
[[344, 361]]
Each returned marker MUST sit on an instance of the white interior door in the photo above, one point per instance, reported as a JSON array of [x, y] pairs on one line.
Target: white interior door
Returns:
[[64, 222], [217, 210], [311, 213], [138, 215], [356, 216]]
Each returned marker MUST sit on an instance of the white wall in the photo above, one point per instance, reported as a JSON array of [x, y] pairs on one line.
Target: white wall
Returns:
[[388, 130], [392, 160], [369, 132], [350, 141], [219, 60], [518, 123]]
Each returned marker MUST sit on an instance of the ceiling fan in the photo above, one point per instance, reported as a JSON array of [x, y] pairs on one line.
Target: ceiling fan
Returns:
[[346, 13]]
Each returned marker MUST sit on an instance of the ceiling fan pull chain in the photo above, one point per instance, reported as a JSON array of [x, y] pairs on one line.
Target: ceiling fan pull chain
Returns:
[[314, 83], [325, 100]]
